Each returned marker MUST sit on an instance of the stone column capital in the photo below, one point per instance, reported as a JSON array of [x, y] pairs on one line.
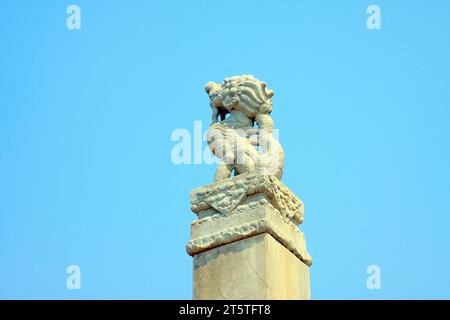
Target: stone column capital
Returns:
[[244, 206]]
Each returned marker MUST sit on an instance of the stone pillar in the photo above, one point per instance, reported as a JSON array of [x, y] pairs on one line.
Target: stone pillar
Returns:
[[246, 243]]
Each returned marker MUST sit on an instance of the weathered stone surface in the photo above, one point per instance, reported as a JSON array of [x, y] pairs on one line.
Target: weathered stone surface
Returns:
[[257, 267], [235, 194], [241, 133], [246, 242], [244, 206]]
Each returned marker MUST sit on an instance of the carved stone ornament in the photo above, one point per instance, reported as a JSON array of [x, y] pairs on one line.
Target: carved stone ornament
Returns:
[[243, 206], [242, 131]]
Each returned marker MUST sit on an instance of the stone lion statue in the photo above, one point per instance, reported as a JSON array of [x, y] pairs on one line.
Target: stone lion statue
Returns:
[[241, 133]]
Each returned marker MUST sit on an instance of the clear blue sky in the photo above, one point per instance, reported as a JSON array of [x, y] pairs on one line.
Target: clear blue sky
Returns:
[[86, 176]]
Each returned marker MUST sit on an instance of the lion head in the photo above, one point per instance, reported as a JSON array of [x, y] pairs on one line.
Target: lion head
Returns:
[[245, 93]]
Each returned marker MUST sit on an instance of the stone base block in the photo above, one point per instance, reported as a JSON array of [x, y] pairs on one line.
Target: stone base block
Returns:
[[258, 267]]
